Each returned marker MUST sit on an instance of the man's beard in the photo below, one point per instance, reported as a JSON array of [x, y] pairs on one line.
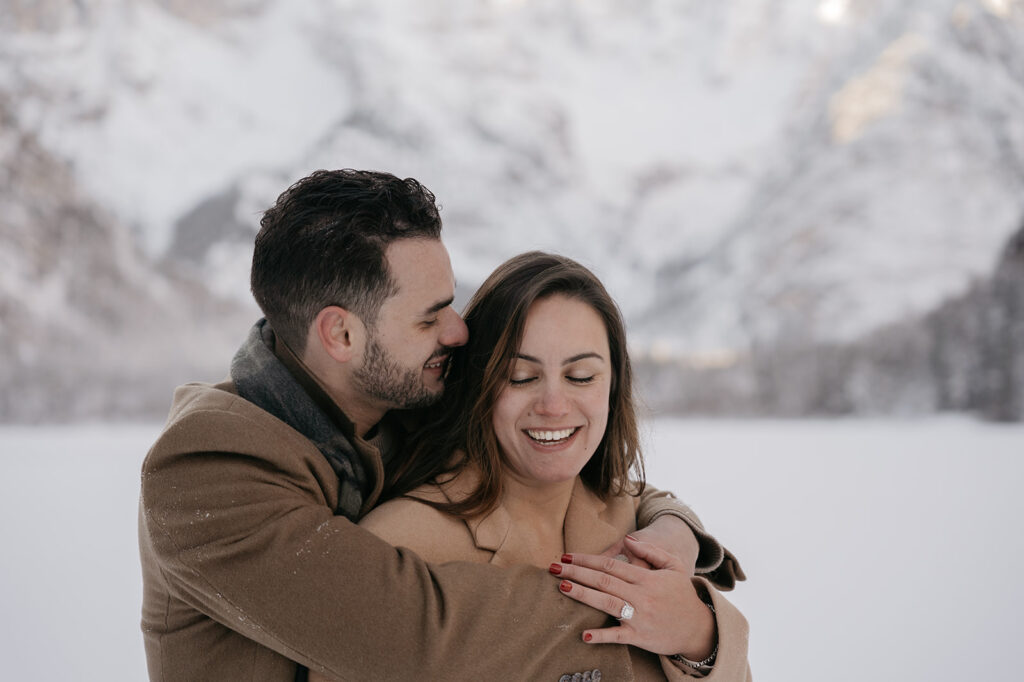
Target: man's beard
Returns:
[[382, 378]]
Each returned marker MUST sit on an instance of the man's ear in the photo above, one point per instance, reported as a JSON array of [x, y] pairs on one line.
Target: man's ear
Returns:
[[340, 332]]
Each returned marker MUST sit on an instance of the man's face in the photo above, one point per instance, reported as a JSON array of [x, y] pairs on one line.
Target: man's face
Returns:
[[406, 353]]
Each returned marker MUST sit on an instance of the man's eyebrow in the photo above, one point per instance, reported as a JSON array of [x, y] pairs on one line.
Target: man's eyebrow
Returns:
[[567, 361], [439, 306]]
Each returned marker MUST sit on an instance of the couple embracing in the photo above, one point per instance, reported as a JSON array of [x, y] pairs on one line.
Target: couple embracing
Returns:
[[383, 490]]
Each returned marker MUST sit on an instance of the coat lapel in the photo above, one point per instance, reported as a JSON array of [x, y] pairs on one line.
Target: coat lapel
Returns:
[[590, 526], [587, 527], [489, 532]]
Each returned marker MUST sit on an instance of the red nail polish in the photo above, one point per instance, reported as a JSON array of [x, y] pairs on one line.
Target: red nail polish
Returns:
[[587, 637], [565, 586], [567, 558], [555, 568]]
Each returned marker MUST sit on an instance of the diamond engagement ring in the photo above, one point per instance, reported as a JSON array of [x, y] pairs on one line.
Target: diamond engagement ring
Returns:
[[627, 611]]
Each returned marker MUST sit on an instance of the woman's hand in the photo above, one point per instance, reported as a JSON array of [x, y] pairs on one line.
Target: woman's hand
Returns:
[[668, 615]]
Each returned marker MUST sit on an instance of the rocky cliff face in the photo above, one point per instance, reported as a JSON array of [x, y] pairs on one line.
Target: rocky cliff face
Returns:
[[901, 176], [787, 199], [89, 324]]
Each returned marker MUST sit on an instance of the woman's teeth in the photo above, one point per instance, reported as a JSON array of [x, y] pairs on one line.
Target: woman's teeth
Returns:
[[550, 436]]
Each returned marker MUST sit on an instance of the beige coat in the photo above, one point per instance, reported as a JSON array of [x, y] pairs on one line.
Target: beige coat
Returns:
[[590, 526], [246, 570]]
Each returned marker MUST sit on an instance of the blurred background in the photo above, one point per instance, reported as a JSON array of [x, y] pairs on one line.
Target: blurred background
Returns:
[[804, 208], [810, 211]]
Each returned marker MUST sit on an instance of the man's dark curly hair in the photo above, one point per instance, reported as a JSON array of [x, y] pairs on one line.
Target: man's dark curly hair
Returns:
[[323, 243]]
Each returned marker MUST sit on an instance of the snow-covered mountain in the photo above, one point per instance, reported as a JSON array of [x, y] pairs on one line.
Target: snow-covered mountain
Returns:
[[89, 325], [748, 176]]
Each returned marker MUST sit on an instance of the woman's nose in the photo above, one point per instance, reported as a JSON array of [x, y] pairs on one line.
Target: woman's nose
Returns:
[[552, 402]]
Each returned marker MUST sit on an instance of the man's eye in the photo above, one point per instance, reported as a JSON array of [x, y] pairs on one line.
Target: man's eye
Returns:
[[429, 323], [580, 380]]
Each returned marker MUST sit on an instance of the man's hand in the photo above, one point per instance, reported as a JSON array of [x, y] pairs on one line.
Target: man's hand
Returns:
[[668, 533]]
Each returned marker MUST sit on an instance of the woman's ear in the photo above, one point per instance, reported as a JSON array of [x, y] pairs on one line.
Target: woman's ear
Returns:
[[340, 332]]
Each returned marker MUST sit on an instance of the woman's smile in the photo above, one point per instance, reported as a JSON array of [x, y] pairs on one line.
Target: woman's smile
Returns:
[[548, 438]]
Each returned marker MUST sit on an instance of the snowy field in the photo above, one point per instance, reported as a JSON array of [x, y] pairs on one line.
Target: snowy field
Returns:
[[890, 550]]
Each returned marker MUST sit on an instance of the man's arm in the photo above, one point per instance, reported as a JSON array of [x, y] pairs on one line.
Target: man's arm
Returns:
[[668, 523], [247, 538]]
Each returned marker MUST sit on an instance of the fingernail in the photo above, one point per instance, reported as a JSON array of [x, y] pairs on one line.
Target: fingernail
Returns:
[[555, 568], [587, 637], [565, 586], [567, 558]]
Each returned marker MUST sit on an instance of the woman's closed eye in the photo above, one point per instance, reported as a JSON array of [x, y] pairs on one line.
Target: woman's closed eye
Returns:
[[522, 381]]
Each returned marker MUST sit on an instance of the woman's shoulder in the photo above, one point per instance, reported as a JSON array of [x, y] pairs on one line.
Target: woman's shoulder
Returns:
[[411, 522], [409, 512]]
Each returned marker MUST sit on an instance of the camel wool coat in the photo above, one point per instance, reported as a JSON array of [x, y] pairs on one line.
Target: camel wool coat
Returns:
[[590, 526], [247, 571]]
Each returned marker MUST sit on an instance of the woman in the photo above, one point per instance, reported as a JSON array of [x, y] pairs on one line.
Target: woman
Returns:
[[539, 416]]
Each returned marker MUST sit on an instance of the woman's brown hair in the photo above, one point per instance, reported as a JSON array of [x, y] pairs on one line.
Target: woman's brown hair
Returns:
[[461, 423]]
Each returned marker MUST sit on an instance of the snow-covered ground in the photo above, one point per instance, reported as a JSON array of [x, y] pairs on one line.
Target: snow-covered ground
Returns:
[[873, 548]]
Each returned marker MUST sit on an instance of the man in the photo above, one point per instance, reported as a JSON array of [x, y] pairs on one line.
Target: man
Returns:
[[252, 567]]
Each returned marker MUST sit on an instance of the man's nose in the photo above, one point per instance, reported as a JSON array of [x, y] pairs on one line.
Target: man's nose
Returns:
[[454, 331]]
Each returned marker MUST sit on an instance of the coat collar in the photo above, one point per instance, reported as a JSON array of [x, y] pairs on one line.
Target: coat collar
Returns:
[[586, 527], [369, 449]]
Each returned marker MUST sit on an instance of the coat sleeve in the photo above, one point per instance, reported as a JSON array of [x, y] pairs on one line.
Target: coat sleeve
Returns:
[[715, 562], [246, 537]]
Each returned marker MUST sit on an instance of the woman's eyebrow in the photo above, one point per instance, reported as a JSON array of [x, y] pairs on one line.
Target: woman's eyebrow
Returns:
[[581, 356], [567, 361], [528, 358]]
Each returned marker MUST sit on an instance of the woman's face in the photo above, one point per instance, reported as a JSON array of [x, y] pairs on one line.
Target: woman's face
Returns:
[[551, 416]]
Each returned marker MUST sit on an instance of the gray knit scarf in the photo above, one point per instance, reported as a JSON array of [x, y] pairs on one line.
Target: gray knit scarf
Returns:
[[261, 378]]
